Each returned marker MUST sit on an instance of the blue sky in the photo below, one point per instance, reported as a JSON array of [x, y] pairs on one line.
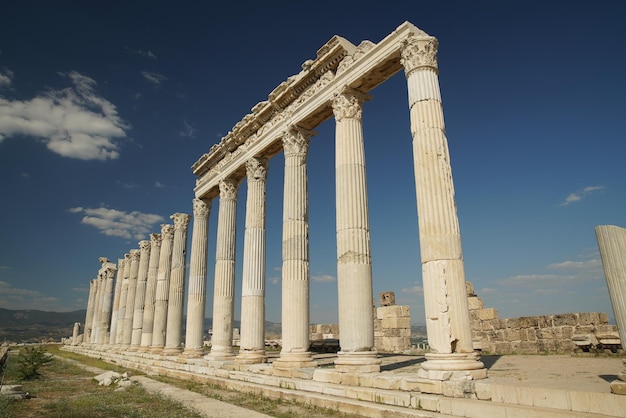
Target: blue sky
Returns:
[[104, 107]]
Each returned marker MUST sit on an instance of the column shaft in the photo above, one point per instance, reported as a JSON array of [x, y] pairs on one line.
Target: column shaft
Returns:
[[162, 289], [122, 317], [89, 314], [148, 311], [354, 264], [295, 269], [252, 344], [196, 299], [173, 338], [443, 275], [116, 301], [130, 297], [224, 291], [140, 294], [107, 303]]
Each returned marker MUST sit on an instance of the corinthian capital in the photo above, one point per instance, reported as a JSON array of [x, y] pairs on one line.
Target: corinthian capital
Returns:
[[155, 240], [181, 220], [134, 254], [228, 189], [201, 207], [296, 141], [349, 104], [256, 168], [419, 52], [144, 245], [167, 231]]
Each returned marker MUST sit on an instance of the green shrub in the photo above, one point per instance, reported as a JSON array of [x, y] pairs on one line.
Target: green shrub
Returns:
[[30, 361]]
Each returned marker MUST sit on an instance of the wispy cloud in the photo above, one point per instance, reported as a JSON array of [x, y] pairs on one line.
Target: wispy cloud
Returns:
[[117, 223], [581, 194], [4, 268], [154, 78], [323, 278], [6, 78], [188, 131], [416, 290], [74, 122], [274, 280], [16, 298], [159, 185], [141, 52]]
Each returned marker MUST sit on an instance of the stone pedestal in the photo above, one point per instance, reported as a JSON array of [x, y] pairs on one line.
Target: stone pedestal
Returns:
[[445, 297], [295, 270], [162, 289], [148, 311], [173, 338], [354, 263], [612, 244], [224, 290], [140, 294], [252, 343], [196, 300]]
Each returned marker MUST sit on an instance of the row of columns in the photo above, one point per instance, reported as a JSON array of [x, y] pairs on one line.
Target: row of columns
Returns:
[[147, 305]]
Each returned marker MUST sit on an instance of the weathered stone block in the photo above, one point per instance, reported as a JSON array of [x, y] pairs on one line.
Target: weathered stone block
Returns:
[[474, 302], [396, 322], [565, 319], [486, 313]]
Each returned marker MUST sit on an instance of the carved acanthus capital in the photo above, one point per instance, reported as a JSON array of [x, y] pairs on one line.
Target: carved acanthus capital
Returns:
[[181, 220], [167, 231], [120, 264], [103, 260], [201, 208], [228, 188], [134, 254], [419, 52], [256, 168], [155, 240], [110, 270], [349, 104], [296, 141], [144, 245]]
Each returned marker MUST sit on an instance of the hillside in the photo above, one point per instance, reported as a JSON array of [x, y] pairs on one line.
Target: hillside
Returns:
[[29, 325]]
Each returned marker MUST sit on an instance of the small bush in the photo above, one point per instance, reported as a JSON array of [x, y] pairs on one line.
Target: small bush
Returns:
[[31, 360]]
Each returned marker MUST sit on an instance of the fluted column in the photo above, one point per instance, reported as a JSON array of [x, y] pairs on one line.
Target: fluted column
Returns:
[[75, 333], [140, 294], [354, 261], [252, 343], [196, 299], [95, 318], [612, 244], [162, 289], [224, 290], [122, 316], [130, 297], [148, 310], [443, 275], [107, 303], [295, 269], [89, 314], [116, 301], [173, 337]]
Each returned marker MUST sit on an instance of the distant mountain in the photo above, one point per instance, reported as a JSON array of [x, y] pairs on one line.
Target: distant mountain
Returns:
[[30, 325]]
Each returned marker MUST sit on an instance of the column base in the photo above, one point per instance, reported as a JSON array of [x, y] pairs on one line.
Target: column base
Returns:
[[172, 351], [133, 348], [452, 366], [358, 362], [193, 353], [156, 349], [220, 354], [294, 361], [143, 349], [251, 357]]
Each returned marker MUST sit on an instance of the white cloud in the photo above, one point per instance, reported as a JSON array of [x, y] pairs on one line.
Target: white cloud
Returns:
[[117, 223], [74, 122], [154, 78], [417, 290], [6, 78], [577, 265], [580, 194], [188, 131], [159, 185], [323, 278], [274, 280], [143, 53], [4, 268], [16, 298]]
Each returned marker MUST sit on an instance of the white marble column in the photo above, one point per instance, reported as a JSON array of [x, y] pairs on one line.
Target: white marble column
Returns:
[[612, 244], [116, 300], [354, 261], [295, 269], [148, 310], [140, 294], [443, 275], [121, 312], [95, 318], [224, 290], [162, 289], [174, 334], [252, 343], [107, 303], [89, 314], [130, 297], [75, 333], [196, 295]]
